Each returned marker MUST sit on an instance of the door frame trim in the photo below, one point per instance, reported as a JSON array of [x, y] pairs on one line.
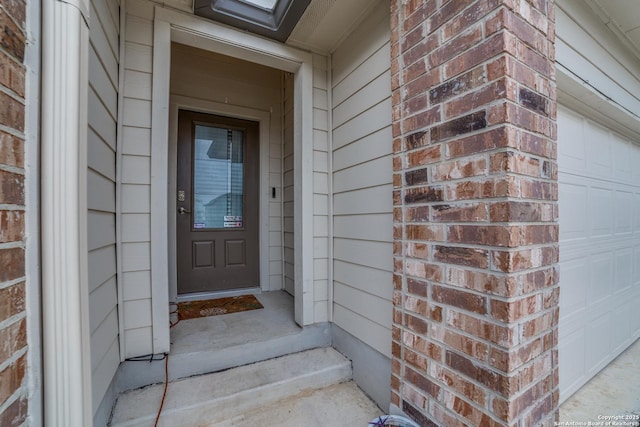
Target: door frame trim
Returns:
[[178, 102], [172, 25]]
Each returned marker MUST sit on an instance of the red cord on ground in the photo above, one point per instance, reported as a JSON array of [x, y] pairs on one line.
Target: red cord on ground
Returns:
[[166, 384]]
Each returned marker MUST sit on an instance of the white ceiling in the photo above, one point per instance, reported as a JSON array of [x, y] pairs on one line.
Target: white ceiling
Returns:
[[325, 23], [623, 17]]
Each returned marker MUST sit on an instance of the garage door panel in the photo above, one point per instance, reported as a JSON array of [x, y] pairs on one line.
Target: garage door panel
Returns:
[[636, 203], [571, 355], [636, 266], [601, 278], [623, 270], [636, 313], [623, 318], [575, 281], [599, 344], [599, 161], [599, 203], [573, 151], [622, 166], [600, 211], [624, 212], [575, 225]]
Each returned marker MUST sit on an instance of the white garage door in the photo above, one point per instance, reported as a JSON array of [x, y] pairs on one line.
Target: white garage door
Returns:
[[599, 198]]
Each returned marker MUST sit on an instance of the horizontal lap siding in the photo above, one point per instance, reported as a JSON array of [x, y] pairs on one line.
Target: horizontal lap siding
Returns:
[[585, 48], [362, 189], [135, 180], [101, 177]]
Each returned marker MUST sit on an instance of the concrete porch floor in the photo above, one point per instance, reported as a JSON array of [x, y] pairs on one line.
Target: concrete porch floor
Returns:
[[216, 332], [614, 391]]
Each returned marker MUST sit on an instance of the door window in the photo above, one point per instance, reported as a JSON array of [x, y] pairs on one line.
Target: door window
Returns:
[[218, 178]]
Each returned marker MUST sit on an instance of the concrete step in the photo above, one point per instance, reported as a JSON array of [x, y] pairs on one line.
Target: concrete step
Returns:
[[341, 404], [214, 398], [212, 344]]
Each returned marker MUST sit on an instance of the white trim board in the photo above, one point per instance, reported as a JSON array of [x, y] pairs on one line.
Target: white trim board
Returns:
[[178, 102], [171, 25], [581, 96]]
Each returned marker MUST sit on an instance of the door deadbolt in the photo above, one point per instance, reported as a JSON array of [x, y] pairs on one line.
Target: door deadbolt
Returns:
[[181, 195]]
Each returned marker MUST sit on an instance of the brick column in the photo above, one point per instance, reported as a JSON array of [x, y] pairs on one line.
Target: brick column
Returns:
[[475, 212], [13, 322]]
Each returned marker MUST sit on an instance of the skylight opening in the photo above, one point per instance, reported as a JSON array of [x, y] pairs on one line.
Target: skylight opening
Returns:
[[263, 4], [270, 18]]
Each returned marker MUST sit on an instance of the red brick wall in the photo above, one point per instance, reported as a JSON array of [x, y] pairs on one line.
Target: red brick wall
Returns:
[[13, 322], [475, 212]]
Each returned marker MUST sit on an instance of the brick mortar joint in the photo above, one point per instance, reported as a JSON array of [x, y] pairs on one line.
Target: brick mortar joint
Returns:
[[490, 151], [483, 223], [508, 125], [18, 244], [13, 95], [11, 207], [509, 249], [12, 282], [15, 60], [22, 29], [21, 392], [475, 178], [14, 357], [494, 297], [516, 327], [485, 178], [13, 132], [12, 169], [484, 364], [488, 83], [8, 322]]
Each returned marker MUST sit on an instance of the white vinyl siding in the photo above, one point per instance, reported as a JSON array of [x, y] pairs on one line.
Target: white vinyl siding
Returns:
[[101, 178], [362, 182], [135, 181], [589, 50]]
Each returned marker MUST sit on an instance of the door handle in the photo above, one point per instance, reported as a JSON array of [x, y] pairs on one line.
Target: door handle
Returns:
[[183, 211]]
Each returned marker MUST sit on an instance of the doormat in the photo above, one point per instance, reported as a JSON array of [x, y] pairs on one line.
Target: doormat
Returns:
[[214, 307]]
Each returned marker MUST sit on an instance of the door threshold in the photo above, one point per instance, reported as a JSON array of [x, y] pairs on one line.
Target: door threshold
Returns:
[[198, 296]]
